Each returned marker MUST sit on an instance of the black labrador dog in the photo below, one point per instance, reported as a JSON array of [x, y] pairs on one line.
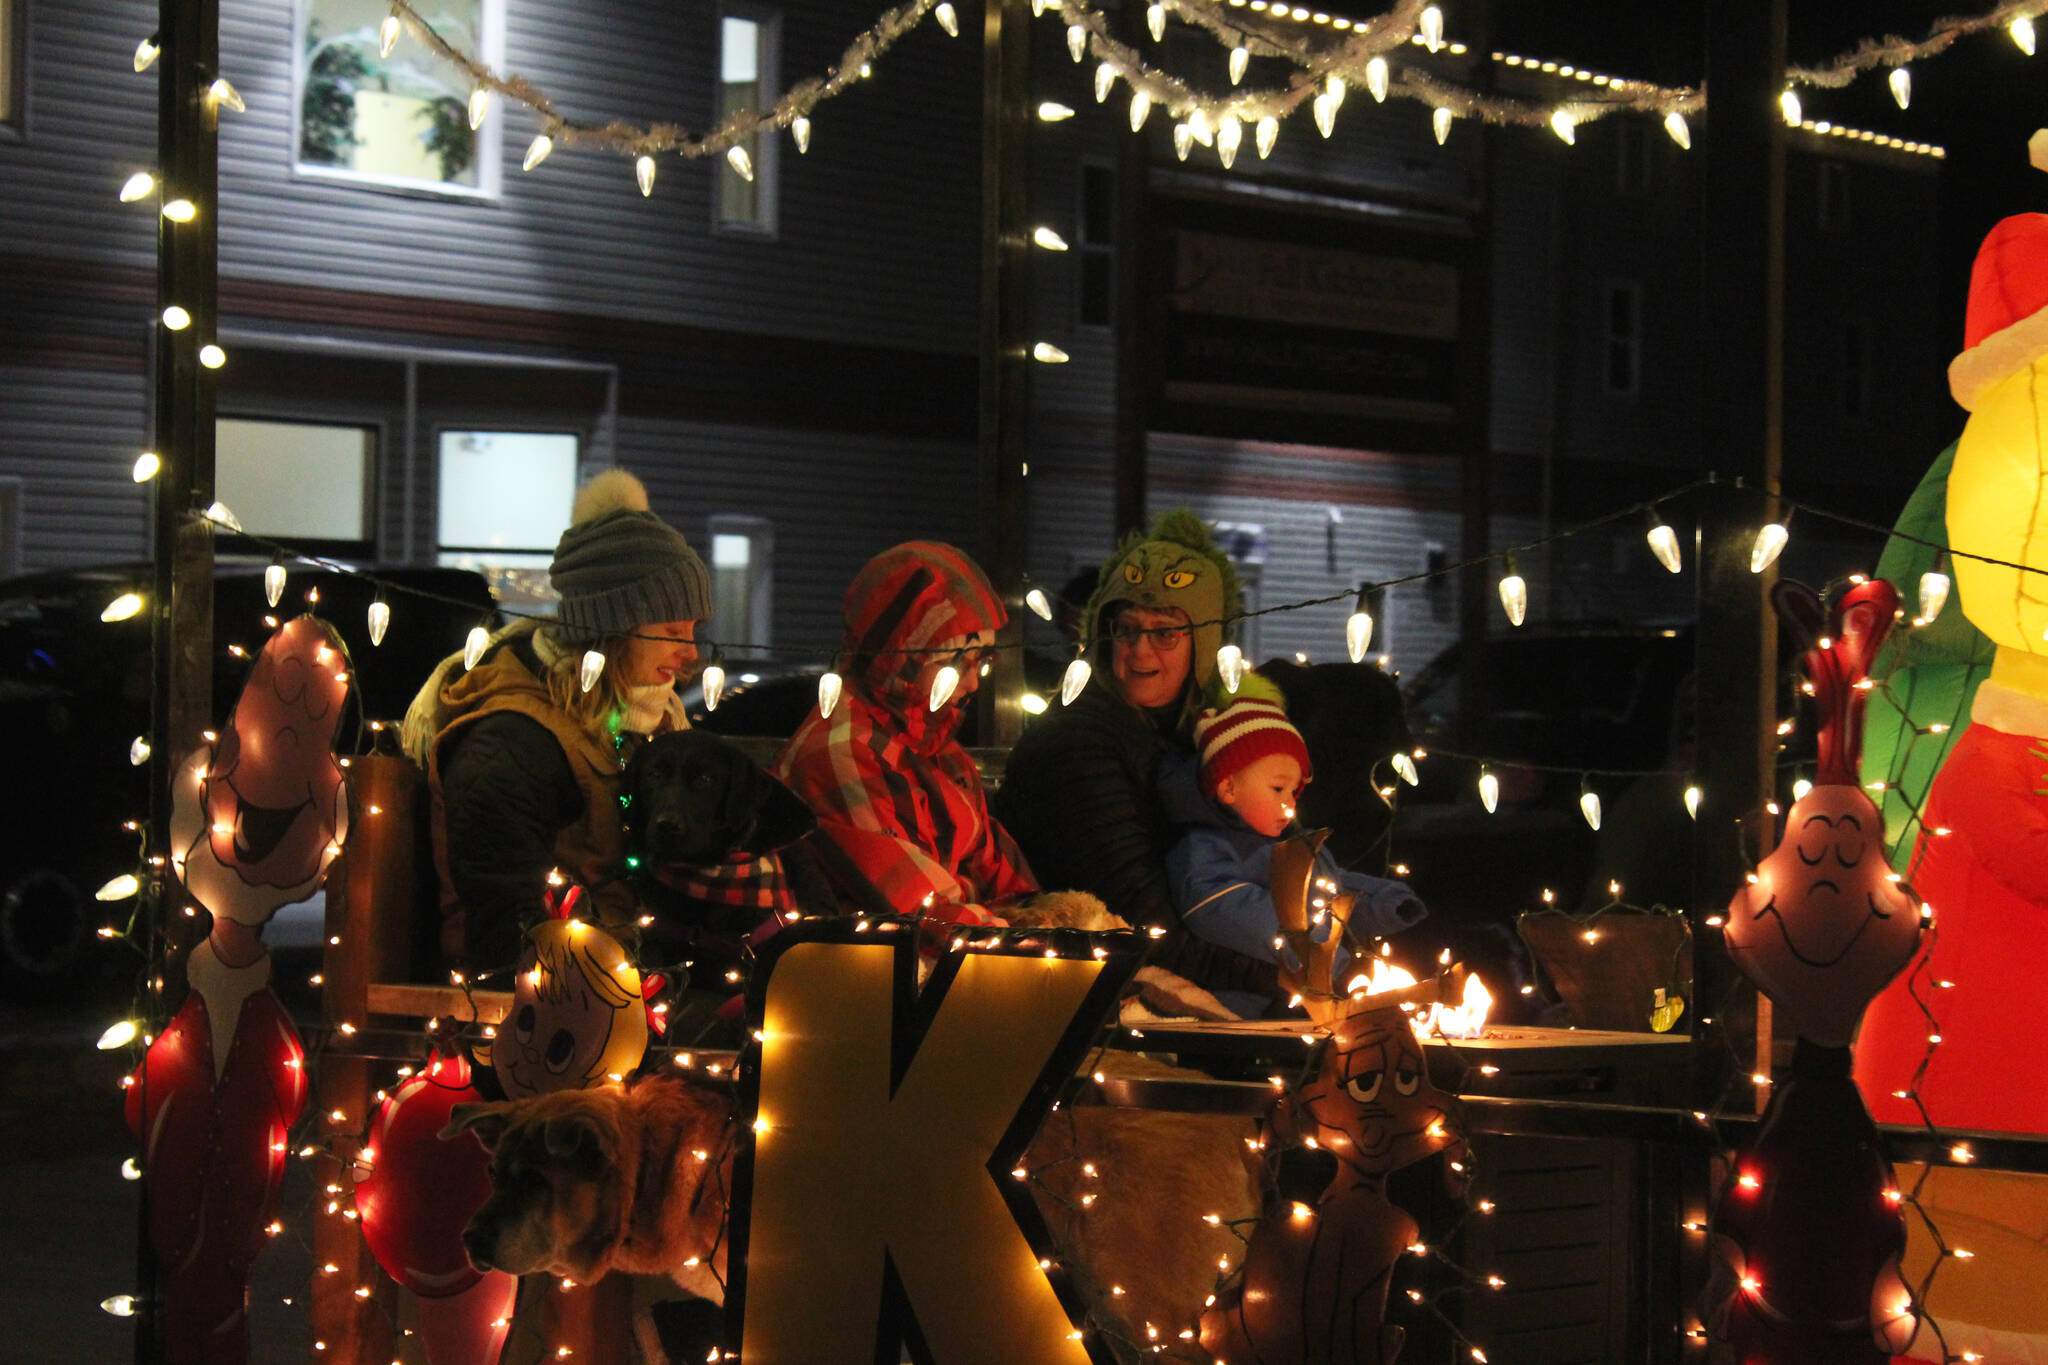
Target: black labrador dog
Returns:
[[698, 812]]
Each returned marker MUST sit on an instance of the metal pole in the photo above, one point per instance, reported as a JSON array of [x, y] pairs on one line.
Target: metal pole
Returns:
[[1005, 343], [181, 597], [1743, 296]]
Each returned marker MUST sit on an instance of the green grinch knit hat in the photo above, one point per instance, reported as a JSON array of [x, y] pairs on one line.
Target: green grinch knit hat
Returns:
[[1176, 563], [619, 567]]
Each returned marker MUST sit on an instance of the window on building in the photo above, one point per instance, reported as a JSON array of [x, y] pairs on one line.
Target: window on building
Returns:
[[1832, 196], [13, 66], [504, 499], [748, 39], [303, 483], [1855, 369], [1246, 543], [742, 580], [400, 121], [1095, 253], [1623, 349]]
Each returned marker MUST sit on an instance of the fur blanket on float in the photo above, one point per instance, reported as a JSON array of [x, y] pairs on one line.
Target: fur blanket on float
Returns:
[[635, 1178]]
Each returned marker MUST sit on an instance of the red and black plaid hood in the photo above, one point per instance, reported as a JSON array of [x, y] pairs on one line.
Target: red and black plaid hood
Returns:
[[907, 599]]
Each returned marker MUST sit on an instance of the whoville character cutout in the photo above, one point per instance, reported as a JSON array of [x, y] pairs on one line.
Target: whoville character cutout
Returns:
[[1810, 1232], [1315, 1276], [414, 1199], [580, 1010], [579, 1017], [257, 817]]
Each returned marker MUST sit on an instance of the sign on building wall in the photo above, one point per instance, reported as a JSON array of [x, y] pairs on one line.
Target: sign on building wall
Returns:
[[1341, 331]]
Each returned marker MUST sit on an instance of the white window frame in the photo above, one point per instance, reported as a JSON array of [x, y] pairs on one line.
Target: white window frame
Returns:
[[489, 138], [15, 57], [767, 150], [759, 533]]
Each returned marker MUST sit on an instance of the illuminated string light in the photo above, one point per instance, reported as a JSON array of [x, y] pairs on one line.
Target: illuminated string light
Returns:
[[1230, 666], [387, 35], [829, 687], [1901, 83], [212, 356], [590, 670], [479, 106], [1788, 105], [146, 54], [800, 131], [1934, 590], [137, 186], [943, 684], [1769, 544], [146, 467], [1051, 241], [1663, 542], [122, 607], [742, 164], [223, 95], [713, 683], [176, 318], [1589, 805], [948, 20], [1045, 353], [643, 175], [2021, 29], [474, 645], [1514, 594], [380, 620], [537, 151], [1074, 680], [1489, 790], [1358, 627], [1678, 130]]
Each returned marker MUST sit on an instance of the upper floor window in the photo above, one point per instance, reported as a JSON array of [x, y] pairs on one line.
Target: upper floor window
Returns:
[[13, 66], [749, 42], [402, 121]]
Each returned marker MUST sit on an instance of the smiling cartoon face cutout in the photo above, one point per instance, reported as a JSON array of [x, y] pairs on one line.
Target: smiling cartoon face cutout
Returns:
[[258, 814], [1824, 926], [578, 1015], [1371, 1103]]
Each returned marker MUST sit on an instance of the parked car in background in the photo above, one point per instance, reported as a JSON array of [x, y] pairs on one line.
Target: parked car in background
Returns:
[[75, 694]]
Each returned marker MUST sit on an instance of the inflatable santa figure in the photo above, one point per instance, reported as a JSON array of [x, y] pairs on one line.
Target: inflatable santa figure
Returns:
[[1982, 862]]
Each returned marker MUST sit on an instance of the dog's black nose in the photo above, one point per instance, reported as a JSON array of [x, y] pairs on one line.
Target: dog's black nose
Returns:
[[476, 1244]]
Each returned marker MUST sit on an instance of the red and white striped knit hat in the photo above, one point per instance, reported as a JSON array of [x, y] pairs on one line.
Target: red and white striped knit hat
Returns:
[[1242, 733]]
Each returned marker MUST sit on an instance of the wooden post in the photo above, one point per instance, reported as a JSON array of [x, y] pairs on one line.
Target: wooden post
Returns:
[[369, 908], [1744, 280], [181, 589], [1005, 345]]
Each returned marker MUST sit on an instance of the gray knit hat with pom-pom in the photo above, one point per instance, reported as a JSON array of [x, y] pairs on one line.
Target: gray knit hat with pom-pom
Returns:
[[619, 567]]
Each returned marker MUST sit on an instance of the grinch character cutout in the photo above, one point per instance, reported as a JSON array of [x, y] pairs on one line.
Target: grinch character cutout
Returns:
[[1809, 1232], [579, 1017], [1316, 1274], [257, 817]]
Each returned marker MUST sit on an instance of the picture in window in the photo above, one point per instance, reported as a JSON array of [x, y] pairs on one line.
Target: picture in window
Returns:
[[401, 119]]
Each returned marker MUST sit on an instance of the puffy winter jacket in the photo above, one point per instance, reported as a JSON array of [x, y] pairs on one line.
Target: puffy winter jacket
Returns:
[[1079, 794]]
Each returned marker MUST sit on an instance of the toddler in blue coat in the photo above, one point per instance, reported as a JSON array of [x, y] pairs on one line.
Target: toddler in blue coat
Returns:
[[1233, 806]]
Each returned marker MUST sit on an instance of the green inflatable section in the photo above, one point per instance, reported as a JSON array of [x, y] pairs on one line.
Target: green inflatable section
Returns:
[[1926, 676]]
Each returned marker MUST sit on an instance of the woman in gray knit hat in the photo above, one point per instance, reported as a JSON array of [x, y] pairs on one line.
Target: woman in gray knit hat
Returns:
[[524, 762]]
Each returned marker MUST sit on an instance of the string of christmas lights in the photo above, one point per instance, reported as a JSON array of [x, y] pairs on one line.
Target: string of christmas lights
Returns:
[[1325, 71]]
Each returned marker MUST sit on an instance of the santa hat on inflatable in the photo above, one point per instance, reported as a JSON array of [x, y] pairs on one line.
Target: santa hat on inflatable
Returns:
[[2006, 329]]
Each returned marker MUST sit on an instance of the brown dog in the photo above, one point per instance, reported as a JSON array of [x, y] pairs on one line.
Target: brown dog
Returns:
[[585, 1182]]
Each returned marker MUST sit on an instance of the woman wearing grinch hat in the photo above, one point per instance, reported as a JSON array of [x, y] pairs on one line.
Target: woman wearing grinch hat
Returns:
[[524, 762], [1079, 793]]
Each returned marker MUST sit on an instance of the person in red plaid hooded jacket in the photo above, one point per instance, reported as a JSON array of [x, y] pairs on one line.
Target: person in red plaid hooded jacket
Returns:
[[902, 814]]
